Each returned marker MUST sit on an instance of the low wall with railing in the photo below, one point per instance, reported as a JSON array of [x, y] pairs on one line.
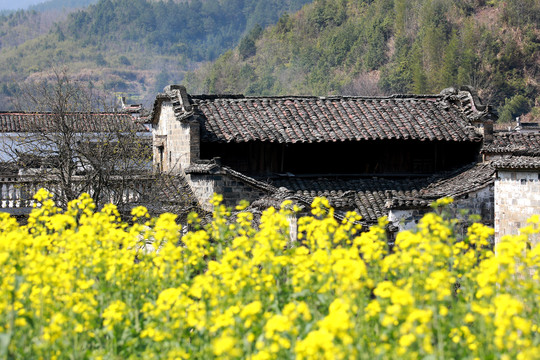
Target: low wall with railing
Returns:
[[17, 191]]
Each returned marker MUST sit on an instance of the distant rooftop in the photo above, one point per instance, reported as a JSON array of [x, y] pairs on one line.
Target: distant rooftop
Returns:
[[82, 122], [516, 143]]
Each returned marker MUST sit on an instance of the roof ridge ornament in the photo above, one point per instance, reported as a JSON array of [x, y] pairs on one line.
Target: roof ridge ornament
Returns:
[[476, 102], [180, 92], [466, 99], [183, 108]]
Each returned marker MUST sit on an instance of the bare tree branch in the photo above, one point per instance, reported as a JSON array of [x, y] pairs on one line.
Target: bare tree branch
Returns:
[[77, 140]]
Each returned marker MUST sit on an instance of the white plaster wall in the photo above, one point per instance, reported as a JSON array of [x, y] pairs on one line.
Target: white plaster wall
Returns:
[[404, 219], [517, 197], [165, 117], [477, 202], [8, 143], [13, 143]]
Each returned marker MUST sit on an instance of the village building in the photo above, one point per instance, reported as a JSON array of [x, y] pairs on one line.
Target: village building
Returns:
[[516, 157], [17, 127], [380, 156], [29, 153]]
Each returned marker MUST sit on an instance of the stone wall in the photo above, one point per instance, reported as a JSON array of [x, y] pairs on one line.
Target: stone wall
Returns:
[[181, 141], [405, 219], [233, 190], [204, 187], [517, 197], [480, 202]]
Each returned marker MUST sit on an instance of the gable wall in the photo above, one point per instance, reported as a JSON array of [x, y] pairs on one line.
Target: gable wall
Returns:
[[181, 145], [517, 197], [204, 187]]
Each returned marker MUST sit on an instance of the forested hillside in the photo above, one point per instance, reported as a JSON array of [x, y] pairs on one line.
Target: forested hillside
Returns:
[[132, 47], [62, 4], [7, 5], [17, 27], [363, 47]]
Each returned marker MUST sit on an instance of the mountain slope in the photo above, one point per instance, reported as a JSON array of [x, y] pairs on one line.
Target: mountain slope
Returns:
[[61, 5], [20, 26], [373, 47], [135, 47], [20, 4]]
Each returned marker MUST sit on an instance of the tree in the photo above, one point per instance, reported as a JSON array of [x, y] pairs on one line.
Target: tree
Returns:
[[363, 84], [76, 143], [450, 62], [124, 60], [162, 80], [419, 78], [247, 46], [514, 107]]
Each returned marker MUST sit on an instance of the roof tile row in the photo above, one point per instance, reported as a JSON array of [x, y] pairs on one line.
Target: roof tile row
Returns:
[[373, 197], [368, 196], [16, 122], [313, 119], [518, 163], [513, 143]]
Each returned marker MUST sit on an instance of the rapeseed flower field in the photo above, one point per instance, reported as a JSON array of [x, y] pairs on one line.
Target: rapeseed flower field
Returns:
[[82, 284]]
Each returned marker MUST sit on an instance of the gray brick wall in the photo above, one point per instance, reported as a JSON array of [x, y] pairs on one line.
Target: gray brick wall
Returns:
[[233, 190], [182, 144], [204, 187], [517, 197]]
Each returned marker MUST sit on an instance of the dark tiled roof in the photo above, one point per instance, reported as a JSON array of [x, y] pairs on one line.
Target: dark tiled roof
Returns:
[[513, 143], [292, 119], [371, 197], [518, 163], [313, 119], [82, 122], [367, 196], [463, 181]]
